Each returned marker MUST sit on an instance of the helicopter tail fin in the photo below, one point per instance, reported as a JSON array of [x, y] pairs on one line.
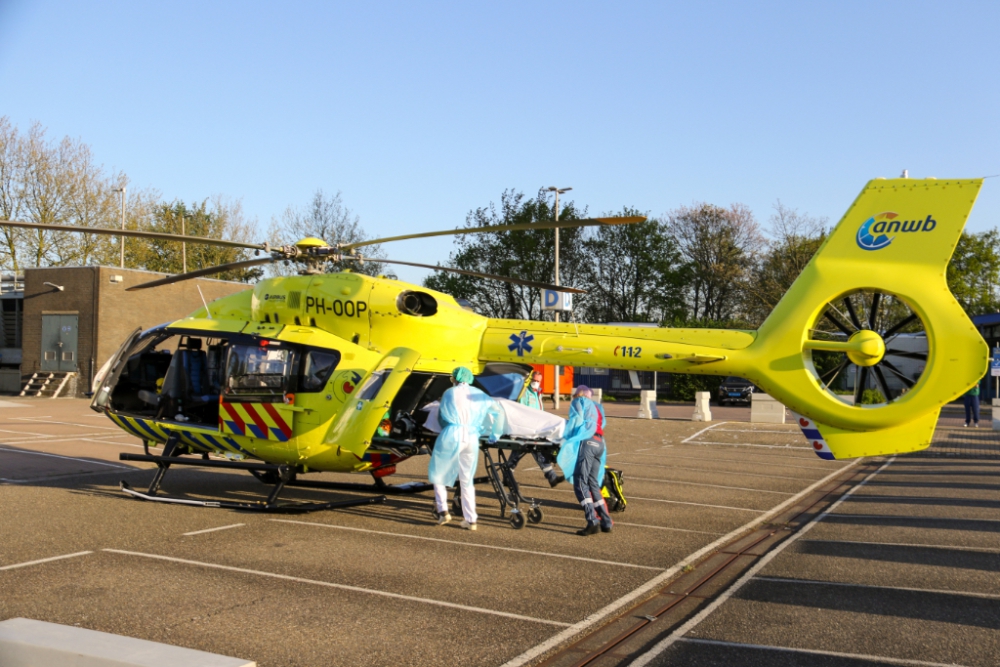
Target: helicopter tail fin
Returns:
[[895, 240]]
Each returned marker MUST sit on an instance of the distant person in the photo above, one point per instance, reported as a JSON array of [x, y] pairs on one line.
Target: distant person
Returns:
[[972, 406], [583, 451], [532, 398], [465, 414]]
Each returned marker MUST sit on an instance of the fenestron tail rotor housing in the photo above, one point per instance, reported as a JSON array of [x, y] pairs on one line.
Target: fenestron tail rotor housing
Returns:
[[868, 348]]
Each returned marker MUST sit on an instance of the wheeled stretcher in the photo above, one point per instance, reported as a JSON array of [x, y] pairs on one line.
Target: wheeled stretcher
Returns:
[[505, 485]]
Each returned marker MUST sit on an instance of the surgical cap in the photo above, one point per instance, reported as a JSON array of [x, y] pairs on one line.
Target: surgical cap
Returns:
[[462, 374], [583, 390]]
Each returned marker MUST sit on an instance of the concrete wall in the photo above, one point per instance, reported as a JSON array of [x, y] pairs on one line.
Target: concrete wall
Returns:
[[107, 313]]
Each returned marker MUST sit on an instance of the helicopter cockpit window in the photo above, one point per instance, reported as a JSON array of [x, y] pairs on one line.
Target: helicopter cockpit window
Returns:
[[258, 370], [317, 367]]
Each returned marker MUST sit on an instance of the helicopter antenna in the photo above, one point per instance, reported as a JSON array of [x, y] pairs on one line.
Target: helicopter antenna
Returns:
[[208, 313]]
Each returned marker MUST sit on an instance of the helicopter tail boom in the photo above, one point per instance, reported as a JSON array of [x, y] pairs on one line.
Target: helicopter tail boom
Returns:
[[868, 343]]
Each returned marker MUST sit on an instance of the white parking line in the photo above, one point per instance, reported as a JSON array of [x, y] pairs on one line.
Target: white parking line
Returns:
[[707, 428], [212, 530], [57, 456], [832, 654], [714, 486], [820, 464], [45, 560], [468, 544], [724, 472], [813, 582], [344, 587], [665, 643], [906, 544], [615, 606], [745, 444], [48, 421], [679, 502]]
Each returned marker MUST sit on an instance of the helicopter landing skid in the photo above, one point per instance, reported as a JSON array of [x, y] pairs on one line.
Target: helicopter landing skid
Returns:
[[282, 476]]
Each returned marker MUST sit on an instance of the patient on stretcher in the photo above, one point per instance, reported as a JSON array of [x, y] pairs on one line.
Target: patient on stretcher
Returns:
[[520, 421]]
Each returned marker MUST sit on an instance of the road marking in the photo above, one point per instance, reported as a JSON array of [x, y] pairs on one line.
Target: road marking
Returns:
[[57, 456], [744, 444], [819, 463], [467, 544], [45, 560], [714, 486], [905, 544], [814, 582], [354, 589], [50, 439], [717, 471], [833, 654], [48, 421], [707, 428], [791, 430], [664, 644], [212, 530], [616, 606], [680, 502]]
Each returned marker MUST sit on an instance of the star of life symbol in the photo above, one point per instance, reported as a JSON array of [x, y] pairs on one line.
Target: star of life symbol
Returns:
[[520, 343]]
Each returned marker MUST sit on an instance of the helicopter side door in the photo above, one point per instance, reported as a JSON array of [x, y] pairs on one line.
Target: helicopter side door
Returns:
[[258, 391]]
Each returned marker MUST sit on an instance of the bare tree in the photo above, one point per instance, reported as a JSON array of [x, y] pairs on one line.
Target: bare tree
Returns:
[[328, 219]]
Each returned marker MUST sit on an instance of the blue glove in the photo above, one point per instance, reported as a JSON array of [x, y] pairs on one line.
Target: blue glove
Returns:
[[492, 440]]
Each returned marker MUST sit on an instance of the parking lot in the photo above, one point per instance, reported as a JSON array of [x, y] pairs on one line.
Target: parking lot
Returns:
[[903, 568]]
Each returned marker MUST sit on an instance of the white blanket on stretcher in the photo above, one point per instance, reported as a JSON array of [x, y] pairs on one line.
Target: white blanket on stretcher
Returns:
[[520, 421]]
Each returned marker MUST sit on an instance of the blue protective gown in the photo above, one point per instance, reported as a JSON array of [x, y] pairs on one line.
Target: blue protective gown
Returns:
[[581, 425], [466, 413]]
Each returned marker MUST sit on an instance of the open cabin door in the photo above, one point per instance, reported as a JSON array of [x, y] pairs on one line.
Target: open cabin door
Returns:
[[353, 428], [108, 375]]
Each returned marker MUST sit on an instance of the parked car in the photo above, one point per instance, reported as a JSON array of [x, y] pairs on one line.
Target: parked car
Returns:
[[735, 390]]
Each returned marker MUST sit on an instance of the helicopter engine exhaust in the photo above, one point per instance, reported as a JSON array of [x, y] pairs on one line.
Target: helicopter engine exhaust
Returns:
[[418, 304]]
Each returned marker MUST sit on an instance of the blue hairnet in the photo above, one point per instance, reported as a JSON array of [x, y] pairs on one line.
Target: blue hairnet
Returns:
[[462, 374]]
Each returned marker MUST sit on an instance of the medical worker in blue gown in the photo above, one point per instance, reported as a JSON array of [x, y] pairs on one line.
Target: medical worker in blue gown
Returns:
[[466, 413], [584, 453]]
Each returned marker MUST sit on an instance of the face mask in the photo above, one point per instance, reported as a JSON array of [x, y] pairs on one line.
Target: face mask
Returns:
[[536, 385]]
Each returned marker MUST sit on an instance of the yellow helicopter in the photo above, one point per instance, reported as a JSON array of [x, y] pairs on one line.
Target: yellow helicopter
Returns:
[[328, 371]]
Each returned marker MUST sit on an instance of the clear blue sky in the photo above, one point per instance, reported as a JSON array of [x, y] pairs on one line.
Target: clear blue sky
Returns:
[[419, 112]]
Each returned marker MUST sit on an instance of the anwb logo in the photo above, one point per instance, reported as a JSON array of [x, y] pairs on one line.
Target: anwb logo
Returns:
[[874, 233]]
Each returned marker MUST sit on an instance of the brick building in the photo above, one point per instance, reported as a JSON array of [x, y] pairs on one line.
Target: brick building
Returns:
[[73, 319]]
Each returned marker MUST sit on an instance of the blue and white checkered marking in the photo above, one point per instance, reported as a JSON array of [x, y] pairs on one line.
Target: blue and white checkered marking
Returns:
[[815, 438]]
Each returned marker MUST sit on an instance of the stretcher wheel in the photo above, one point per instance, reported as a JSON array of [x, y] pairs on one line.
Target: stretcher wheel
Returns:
[[535, 515], [517, 520], [456, 505]]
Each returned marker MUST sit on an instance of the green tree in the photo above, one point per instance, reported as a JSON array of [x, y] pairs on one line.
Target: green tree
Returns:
[[974, 272], [632, 273], [720, 246], [220, 219], [527, 254]]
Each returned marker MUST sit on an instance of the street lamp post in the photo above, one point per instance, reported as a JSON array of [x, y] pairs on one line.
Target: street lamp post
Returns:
[[558, 192], [122, 191]]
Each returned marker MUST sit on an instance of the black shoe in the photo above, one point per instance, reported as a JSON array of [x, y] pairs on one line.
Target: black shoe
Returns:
[[557, 480], [606, 529], [591, 529]]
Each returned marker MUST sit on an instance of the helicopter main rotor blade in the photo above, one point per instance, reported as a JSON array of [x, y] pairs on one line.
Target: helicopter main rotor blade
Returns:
[[208, 271], [131, 232], [477, 274], [552, 224]]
